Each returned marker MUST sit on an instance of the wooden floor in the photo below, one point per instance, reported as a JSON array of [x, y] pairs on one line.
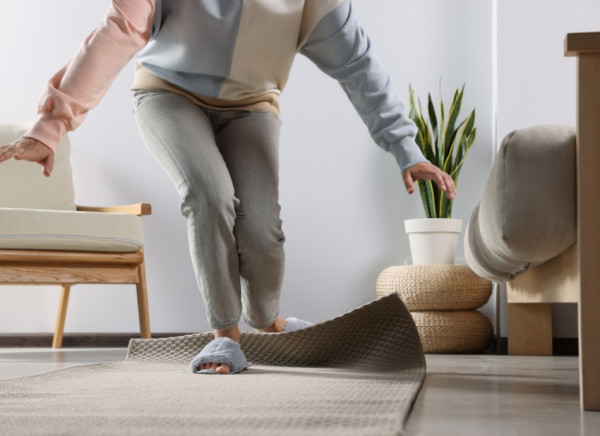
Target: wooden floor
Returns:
[[463, 395], [488, 395]]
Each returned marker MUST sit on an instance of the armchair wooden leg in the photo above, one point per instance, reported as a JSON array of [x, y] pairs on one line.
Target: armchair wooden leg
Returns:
[[530, 329], [62, 314], [142, 298]]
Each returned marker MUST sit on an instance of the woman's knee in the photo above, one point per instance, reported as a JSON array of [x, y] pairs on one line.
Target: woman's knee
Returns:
[[259, 236], [216, 200]]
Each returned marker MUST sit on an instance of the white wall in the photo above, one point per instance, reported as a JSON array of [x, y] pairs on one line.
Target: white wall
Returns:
[[343, 199], [536, 83]]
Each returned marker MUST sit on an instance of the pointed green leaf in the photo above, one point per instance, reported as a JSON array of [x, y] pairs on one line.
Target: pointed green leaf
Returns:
[[470, 123], [427, 196], [446, 208], [432, 118], [450, 132], [443, 114]]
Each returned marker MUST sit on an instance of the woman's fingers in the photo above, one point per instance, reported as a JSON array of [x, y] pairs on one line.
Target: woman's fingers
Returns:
[[408, 181], [6, 152], [30, 150], [450, 187], [428, 171], [48, 165]]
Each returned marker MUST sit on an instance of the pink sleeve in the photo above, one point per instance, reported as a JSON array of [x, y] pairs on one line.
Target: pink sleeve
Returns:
[[80, 85]]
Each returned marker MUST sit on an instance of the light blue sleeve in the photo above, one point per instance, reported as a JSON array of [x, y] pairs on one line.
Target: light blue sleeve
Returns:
[[340, 47]]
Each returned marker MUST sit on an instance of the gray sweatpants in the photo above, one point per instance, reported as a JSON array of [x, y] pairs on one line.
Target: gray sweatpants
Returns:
[[225, 167]]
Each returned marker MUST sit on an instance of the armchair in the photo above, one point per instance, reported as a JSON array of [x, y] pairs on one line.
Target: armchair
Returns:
[[46, 239]]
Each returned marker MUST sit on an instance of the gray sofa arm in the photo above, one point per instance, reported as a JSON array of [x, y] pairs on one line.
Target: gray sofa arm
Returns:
[[527, 213]]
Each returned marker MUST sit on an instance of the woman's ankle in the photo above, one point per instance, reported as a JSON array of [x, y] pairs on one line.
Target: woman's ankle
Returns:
[[232, 333], [277, 326]]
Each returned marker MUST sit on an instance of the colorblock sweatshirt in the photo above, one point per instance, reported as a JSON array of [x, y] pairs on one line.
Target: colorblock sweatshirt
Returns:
[[228, 54]]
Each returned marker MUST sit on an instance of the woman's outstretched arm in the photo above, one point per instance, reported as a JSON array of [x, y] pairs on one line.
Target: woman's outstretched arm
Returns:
[[82, 83], [341, 48]]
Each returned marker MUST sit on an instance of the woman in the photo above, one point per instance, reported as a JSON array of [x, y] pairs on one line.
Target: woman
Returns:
[[208, 78]]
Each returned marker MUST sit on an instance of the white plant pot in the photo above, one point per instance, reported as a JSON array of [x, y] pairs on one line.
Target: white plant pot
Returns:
[[433, 240]]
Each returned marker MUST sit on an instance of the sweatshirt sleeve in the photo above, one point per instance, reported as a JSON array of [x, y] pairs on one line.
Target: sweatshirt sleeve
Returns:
[[81, 84], [340, 47]]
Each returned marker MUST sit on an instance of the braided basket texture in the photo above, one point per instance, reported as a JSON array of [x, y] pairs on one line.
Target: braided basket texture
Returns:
[[435, 287], [458, 331]]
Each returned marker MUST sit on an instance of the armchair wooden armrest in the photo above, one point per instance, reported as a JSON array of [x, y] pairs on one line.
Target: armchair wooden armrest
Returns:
[[138, 209]]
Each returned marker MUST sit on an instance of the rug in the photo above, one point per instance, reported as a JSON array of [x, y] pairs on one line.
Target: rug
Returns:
[[357, 374]]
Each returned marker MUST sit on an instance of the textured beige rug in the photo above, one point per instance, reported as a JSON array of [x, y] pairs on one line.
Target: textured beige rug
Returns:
[[357, 374]]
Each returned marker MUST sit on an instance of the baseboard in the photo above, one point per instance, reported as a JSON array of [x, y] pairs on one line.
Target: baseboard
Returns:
[[560, 346], [91, 340]]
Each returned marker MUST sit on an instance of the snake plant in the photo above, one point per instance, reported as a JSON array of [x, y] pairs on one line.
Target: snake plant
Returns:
[[444, 144]]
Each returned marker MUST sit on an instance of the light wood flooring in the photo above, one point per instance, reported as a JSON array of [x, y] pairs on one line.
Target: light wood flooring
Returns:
[[465, 395]]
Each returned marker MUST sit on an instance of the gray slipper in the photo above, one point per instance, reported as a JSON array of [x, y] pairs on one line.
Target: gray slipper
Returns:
[[296, 324], [220, 350]]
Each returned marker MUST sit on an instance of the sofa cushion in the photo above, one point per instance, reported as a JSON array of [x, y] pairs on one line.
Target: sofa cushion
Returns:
[[527, 213], [24, 185], [36, 229]]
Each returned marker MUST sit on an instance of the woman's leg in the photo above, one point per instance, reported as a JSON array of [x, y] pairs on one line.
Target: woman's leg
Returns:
[[249, 144], [181, 137]]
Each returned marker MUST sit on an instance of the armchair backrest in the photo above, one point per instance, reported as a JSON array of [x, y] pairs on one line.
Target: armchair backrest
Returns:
[[22, 184], [527, 214]]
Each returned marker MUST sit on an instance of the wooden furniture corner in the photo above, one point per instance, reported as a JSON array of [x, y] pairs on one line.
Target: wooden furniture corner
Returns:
[[69, 268], [573, 276], [586, 47]]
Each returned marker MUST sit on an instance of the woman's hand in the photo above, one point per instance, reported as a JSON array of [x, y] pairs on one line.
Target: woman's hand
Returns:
[[30, 150], [428, 171]]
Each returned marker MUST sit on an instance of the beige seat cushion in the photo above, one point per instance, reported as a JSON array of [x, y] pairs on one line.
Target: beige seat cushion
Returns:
[[23, 184], [527, 213], [35, 229]]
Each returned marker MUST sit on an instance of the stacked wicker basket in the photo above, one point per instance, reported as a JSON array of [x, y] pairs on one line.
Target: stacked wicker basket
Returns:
[[442, 300]]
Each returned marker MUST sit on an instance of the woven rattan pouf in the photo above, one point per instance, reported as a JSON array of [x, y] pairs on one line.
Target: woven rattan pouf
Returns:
[[442, 300]]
